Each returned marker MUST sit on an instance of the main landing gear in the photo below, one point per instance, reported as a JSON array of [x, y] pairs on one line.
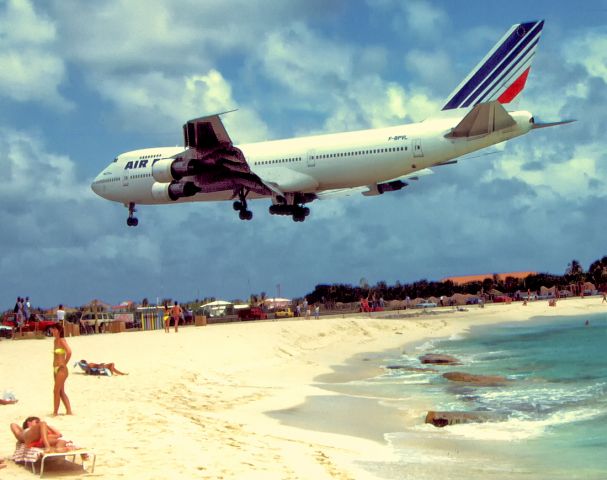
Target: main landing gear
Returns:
[[240, 205], [132, 221], [299, 212]]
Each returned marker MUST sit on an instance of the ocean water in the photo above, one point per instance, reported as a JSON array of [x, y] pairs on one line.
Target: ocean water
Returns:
[[550, 417]]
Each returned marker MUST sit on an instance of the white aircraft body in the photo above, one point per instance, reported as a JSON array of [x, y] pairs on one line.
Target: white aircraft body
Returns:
[[296, 171]]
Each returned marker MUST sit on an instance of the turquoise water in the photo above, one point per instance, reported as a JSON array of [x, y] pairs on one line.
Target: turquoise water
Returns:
[[552, 420]]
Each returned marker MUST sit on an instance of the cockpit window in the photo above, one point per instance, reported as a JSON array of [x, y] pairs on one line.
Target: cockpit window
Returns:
[[116, 159]]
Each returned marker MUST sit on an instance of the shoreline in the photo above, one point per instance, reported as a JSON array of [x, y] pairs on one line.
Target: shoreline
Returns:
[[201, 399]]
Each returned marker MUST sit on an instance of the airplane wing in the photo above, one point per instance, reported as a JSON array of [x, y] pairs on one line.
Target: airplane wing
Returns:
[[205, 132], [213, 161], [376, 188]]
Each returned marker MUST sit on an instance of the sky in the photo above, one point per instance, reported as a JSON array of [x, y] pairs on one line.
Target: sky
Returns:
[[81, 82]]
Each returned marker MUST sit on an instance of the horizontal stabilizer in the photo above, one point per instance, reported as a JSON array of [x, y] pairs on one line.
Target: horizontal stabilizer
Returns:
[[483, 119], [551, 124]]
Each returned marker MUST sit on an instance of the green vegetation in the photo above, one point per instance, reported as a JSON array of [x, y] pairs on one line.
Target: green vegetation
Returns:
[[572, 279]]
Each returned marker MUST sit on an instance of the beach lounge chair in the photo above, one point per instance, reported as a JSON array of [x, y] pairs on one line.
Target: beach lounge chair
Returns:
[[31, 456]]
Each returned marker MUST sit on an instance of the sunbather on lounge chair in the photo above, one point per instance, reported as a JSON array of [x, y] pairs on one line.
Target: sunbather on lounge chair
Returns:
[[99, 368], [36, 433]]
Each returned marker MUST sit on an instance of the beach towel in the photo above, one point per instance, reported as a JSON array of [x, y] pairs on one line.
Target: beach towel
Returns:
[[27, 454]]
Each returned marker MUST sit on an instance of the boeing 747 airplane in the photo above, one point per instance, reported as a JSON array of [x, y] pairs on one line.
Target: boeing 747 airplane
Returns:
[[296, 171]]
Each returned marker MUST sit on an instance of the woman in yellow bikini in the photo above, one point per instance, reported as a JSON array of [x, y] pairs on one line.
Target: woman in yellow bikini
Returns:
[[61, 356]]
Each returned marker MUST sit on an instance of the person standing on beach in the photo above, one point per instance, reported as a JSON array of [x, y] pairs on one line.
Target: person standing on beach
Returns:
[[61, 315], [166, 317], [61, 356], [176, 314], [26, 308]]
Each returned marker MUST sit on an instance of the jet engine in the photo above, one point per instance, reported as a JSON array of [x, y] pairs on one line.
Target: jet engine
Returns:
[[174, 190], [390, 186], [167, 170]]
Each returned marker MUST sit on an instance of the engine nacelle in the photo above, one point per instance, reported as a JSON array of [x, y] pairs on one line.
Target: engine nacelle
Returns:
[[173, 191], [390, 186], [161, 171], [167, 170]]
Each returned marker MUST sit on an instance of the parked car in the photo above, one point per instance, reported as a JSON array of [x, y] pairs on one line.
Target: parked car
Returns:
[[472, 301], [501, 299], [95, 322], [284, 313], [426, 305], [36, 323], [6, 332], [252, 313]]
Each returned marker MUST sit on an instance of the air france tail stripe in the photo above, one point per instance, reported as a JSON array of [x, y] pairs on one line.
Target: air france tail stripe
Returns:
[[514, 89], [524, 57], [506, 79], [498, 65], [519, 34], [532, 36]]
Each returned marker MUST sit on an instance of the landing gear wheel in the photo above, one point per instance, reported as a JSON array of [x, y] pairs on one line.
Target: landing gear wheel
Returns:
[[300, 214], [245, 215], [240, 205], [132, 221]]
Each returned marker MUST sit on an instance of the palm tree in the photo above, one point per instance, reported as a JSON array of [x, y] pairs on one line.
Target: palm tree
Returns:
[[574, 270]]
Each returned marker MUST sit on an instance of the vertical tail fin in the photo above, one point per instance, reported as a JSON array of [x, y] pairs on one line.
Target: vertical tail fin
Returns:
[[502, 74]]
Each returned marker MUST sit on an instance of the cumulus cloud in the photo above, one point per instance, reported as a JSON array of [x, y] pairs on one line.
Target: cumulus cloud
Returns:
[[157, 103], [310, 66], [296, 65], [590, 52], [575, 177], [420, 17], [30, 68]]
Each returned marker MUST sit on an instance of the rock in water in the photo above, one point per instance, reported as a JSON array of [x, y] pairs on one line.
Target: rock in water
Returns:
[[481, 380], [439, 359], [442, 419]]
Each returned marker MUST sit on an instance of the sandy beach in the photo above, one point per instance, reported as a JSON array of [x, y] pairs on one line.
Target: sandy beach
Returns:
[[225, 401]]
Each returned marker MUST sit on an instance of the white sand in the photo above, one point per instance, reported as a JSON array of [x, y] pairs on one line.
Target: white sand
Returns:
[[194, 403]]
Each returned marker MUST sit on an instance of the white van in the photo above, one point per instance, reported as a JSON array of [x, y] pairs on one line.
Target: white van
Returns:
[[95, 322]]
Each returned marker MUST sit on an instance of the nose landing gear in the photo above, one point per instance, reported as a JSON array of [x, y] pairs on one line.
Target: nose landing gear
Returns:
[[132, 221]]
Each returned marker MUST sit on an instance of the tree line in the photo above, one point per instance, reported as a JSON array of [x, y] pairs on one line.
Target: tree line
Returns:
[[573, 277]]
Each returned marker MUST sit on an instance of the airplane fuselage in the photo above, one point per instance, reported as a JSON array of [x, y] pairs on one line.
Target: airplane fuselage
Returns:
[[314, 164]]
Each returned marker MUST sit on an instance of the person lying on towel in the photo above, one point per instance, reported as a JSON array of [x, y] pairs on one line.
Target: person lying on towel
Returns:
[[36, 433], [99, 368]]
